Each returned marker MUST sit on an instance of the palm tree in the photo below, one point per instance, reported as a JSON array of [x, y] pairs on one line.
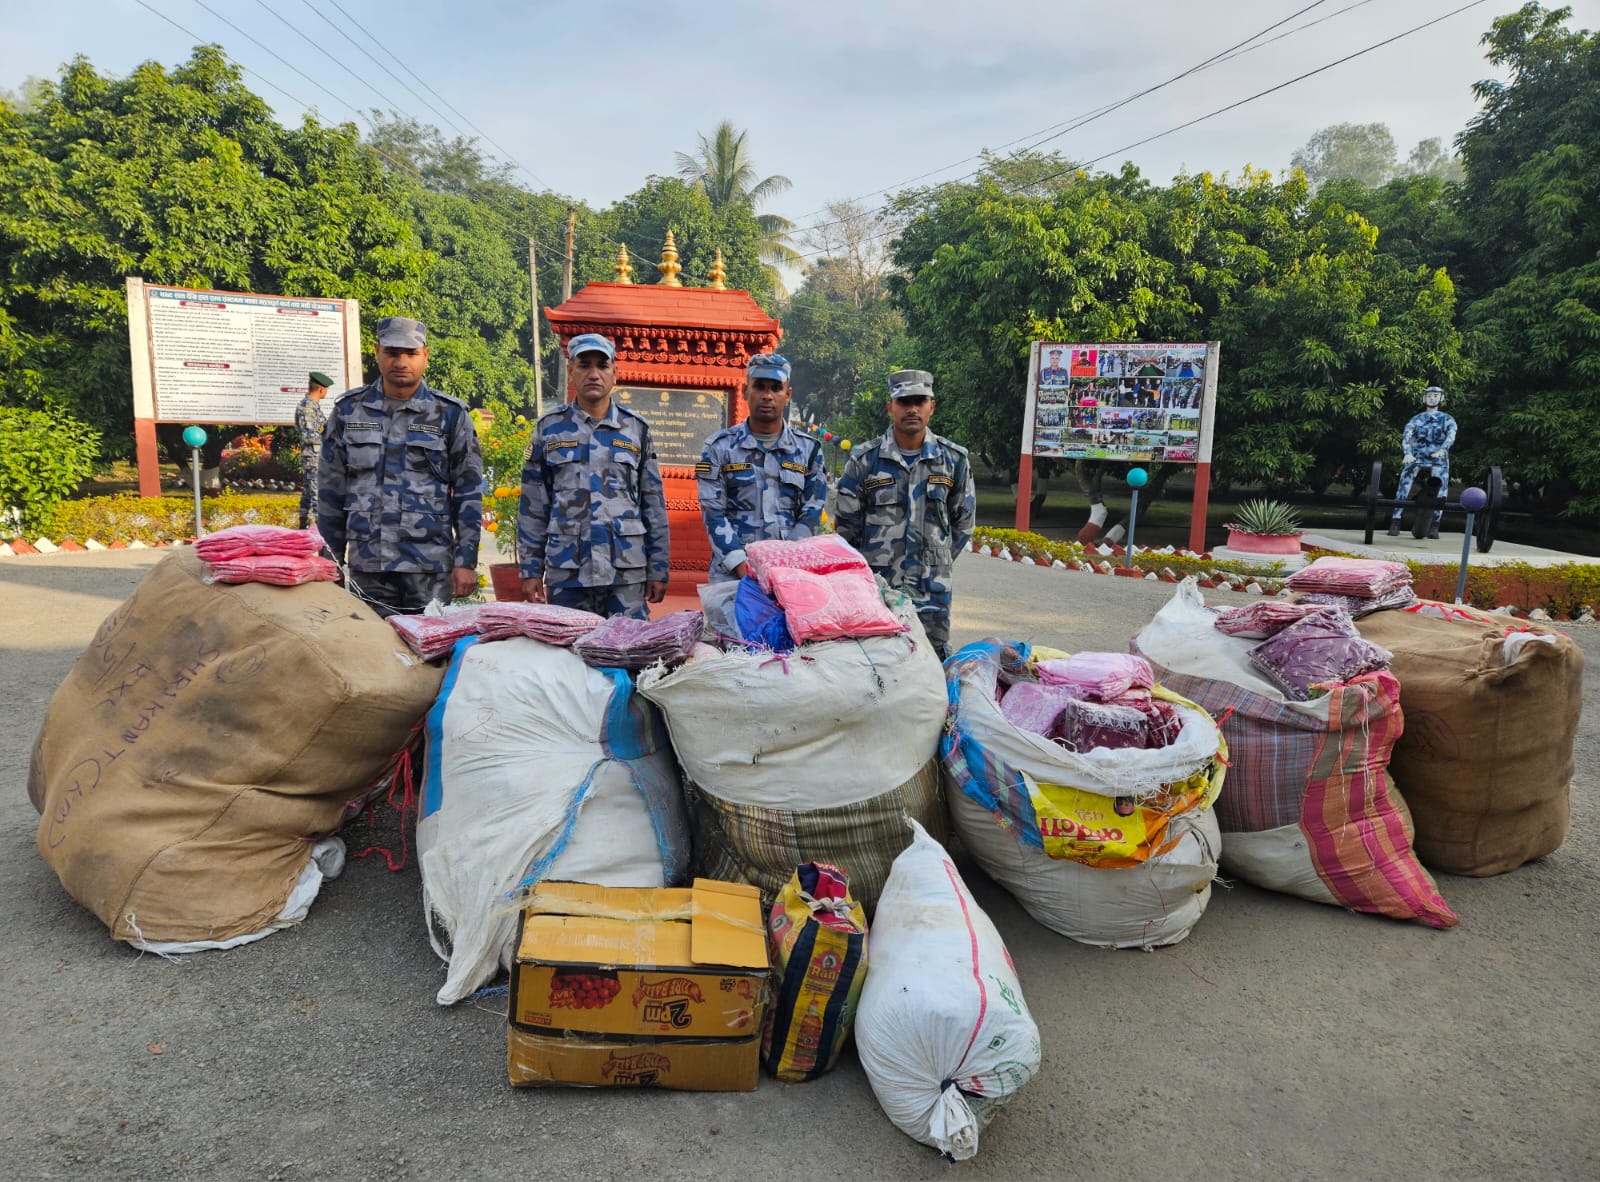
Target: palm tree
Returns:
[[723, 172]]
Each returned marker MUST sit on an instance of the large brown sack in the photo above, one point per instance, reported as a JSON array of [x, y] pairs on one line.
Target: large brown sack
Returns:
[[1486, 759], [202, 735]]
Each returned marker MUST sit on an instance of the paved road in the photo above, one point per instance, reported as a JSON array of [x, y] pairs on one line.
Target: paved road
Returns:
[[1283, 1039]]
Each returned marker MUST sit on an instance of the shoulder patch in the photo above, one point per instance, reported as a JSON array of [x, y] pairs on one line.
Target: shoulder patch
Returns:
[[702, 468]]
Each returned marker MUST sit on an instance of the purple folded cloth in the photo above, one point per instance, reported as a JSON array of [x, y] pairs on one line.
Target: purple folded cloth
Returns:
[[1358, 607], [1320, 650], [624, 643]]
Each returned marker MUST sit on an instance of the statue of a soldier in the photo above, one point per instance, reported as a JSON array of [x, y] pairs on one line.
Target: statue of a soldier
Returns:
[[1427, 442]]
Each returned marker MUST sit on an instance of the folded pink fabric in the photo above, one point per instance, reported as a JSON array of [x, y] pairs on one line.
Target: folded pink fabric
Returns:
[[1098, 675], [431, 637], [243, 541], [625, 643], [280, 569], [548, 622], [1357, 607], [1322, 649], [1364, 578], [833, 606], [1263, 618], [1032, 706], [820, 555]]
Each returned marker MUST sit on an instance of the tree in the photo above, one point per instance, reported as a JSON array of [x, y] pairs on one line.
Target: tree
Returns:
[[723, 170], [419, 150], [1363, 152], [1530, 211]]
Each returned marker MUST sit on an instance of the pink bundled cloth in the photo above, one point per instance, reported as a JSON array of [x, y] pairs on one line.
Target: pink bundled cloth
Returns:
[[1098, 675], [281, 570], [838, 605], [820, 555], [431, 637], [548, 622], [244, 541], [1322, 649], [1364, 578], [1263, 618], [1032, 706], [625, 643]]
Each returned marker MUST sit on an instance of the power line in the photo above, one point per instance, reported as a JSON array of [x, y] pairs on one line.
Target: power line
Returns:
[[1219, 111], [311, 41], [1087, 117]]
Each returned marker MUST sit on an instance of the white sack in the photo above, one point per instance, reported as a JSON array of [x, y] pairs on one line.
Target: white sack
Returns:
[[942, 1029]]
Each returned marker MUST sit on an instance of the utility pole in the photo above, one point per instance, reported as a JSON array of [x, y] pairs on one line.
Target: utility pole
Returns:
[[566, 294], [533, 290]]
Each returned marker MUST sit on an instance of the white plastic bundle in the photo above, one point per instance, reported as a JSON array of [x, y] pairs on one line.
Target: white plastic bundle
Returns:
[[942, 1029]]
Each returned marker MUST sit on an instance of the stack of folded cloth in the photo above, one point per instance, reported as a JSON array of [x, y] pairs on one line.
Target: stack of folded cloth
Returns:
[[624, 643], [824, 586], [433, 636], [1305, 646], [1358, 585], [265, 554], [548, 622], [1092, 700]]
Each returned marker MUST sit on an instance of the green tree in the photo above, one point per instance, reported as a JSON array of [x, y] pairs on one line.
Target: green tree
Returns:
[[723, 170], [1363, 152], [1530, 211]]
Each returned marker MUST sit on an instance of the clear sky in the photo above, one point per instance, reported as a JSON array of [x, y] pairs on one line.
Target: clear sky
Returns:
[[845, 98]]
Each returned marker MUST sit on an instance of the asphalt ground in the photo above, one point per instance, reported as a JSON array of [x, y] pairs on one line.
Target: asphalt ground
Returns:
[[1283, 1039]]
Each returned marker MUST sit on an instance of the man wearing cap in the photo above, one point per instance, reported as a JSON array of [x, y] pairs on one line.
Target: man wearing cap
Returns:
[[592, 530], [309, 422], [760, 478], [907, 502], [400, 483], [1427, 441], [1054, 374]]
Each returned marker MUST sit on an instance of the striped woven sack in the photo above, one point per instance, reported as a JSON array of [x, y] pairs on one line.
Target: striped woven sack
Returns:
[[1310, 808], [763, 846]]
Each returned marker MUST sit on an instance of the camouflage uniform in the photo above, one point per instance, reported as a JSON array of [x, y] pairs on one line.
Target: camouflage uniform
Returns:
[[593, 521], [402, 492], [910, 518], [309, 422], [749, 492]]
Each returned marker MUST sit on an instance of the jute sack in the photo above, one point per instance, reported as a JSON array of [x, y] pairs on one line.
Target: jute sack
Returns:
[[205, 734], [1486, 759]]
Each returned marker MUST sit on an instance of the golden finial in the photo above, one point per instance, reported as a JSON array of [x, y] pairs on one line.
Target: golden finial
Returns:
[[719, 273], [669, 263], [623, 268]]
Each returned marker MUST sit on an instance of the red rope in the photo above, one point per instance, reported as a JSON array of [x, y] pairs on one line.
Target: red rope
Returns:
[[402, 779]]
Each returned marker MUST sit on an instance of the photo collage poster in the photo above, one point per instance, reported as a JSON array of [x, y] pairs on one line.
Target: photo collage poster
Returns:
[[1119, 402]]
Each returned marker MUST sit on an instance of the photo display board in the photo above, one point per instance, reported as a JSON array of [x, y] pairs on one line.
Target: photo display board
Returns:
[[232, 357], [1137, 402]]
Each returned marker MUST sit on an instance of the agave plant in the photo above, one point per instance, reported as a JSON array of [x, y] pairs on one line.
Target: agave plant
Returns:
[[1266, 517]]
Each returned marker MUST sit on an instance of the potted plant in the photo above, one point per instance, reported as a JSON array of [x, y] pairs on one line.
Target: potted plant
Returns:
[[1265, 527], [503, 443]]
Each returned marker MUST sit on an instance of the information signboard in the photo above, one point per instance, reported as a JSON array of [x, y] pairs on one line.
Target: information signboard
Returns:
[[680, 420]]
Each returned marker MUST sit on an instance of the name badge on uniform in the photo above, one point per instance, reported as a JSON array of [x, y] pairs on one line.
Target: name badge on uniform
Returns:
[[873, 482], [791, 466], [726, 468], [429, 429], [941, 478], [361, 425], [626, 445], [558, 444]]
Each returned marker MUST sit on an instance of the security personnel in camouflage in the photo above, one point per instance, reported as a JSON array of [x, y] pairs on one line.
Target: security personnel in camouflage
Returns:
[[907, 502], [759, 478], [592, 530], [400, 482], [309, 423]]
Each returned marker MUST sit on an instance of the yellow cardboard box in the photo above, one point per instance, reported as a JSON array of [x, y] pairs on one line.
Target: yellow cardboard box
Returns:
[[606, 977], [535, 1057]]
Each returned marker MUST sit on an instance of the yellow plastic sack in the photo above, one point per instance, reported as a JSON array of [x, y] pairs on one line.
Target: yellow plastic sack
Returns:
[[1121, 831], [818, 936]]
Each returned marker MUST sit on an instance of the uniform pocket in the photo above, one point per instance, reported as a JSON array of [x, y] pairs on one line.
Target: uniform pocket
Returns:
[[627, 543], [362, 455]]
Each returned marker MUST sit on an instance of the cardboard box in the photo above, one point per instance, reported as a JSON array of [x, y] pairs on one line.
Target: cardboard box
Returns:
[[537, 1057], [628, 986], [633, 962]]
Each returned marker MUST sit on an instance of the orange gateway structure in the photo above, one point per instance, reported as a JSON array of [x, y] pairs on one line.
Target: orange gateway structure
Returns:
[[681, 354]]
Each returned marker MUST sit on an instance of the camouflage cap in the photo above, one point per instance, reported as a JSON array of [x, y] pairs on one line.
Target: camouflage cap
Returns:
[[769, 365], [591, 342], [399, 332], [910, 383]]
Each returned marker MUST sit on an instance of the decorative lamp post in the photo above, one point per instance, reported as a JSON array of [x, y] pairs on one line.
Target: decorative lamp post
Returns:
[[1137, 479], [195, 437], [1472, 500]]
